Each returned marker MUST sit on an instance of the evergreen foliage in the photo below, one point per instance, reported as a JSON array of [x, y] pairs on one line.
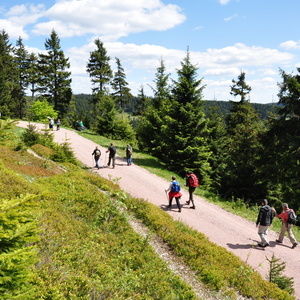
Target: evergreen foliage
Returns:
[[22, 65], [240, 87], [100, 71], [33, 74], [242, 152], [120, 86], [54, 77], [8, 77], [276, 275]]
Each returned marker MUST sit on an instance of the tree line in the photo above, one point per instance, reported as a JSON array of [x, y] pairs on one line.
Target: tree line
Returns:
[[238, 155]]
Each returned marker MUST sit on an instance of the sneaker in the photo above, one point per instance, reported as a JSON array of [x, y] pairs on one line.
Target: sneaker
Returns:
[[261, 245], [279, 242], [294, 245], [187, 202], [193, 207]]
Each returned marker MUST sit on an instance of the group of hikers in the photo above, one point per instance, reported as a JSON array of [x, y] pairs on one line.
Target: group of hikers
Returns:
[[266, 212], [51, 123], [264, 221], [112, 151]]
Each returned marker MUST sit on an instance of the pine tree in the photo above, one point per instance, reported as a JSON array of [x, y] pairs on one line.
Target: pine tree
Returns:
[[280, 159], [141, 102], [8, 76], [244, 130], [120, 86], [55, 81], [153, 120], [33, 75], [240, 88], [187, 131], [22, 65], [99, 70]]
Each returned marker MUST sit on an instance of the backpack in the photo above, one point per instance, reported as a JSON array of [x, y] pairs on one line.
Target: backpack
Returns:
[[175, 188], [292, 219], [193, 180], [97, 152]]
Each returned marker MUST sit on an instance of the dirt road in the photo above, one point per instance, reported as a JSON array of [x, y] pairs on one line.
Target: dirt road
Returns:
[[223, 228]]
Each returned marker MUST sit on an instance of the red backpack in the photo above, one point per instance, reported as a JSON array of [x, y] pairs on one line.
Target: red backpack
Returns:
[[193, 180]]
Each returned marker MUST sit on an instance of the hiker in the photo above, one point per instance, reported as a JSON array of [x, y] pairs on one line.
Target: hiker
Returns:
[[286, 226], [57, 124], [192, 182], [96, 153], [264, 220], [128, 151], [51, 123], [174, 191], [112, 155]]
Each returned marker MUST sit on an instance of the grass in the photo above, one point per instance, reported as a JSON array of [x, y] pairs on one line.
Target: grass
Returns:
[[155, 166]]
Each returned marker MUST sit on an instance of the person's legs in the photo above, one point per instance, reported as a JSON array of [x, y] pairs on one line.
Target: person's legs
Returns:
[[96, 161], [113, 161], [263, 232], [170, 201], [109, 160], [282, 232], [290, 234], [178, 203]]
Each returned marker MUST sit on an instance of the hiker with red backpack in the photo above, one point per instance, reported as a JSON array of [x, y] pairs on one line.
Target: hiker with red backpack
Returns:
[[191, 182], [288, 219], [174, 191]]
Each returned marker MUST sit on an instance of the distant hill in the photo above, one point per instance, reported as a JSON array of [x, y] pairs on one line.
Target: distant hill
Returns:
[[83, 105], [224, 107]]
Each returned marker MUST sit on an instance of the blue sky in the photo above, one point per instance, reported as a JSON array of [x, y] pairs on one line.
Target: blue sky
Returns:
[[224, 37]]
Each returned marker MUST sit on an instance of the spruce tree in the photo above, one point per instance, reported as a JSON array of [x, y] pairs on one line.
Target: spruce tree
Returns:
[[280, 163], [185, 134], [120, 86], [33, 74], [240, 87], [8, 77], [244, 129], [153, 120], [141, 102], [55, 81], [100, 71], [22, 65]]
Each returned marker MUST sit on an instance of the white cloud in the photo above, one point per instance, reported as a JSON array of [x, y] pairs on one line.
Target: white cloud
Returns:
[[198, 28], [110, 19], [223, 2], [18, 17], [223, 71], [290, 45], [228, 19]]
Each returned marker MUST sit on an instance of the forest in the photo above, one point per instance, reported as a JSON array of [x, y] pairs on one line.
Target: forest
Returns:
[[239, 150]]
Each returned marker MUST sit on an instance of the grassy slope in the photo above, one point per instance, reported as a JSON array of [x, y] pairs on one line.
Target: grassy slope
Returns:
[[153, 165]]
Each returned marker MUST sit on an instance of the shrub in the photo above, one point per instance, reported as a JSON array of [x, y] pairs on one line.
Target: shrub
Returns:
[[40, 109]]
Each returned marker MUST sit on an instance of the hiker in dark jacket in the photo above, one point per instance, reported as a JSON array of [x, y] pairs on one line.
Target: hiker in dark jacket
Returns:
[[191, 182], [174, 191], [96, 153], [264, 220], [128, 151], [112, 155]]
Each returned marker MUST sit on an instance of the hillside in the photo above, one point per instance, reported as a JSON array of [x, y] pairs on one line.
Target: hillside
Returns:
[[88, 215]]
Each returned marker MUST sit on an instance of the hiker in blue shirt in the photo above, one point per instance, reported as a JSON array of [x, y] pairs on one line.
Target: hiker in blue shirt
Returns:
[[174, 191]]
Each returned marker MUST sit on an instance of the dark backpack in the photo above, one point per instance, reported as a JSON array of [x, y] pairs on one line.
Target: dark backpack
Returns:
[[292, 219], [175, 188]]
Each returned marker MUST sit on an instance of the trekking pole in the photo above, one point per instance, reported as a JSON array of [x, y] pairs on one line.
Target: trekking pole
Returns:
[[167, 196]]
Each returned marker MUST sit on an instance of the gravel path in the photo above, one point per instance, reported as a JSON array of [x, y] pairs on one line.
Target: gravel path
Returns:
[[234, 233]]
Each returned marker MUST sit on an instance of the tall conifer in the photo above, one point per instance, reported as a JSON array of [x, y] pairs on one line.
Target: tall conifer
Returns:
[[55, 81]]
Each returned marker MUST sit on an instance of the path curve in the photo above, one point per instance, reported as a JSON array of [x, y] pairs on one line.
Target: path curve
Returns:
[[227, 230]]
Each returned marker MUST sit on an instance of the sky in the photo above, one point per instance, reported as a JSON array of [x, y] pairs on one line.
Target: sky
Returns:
[[224, 37]]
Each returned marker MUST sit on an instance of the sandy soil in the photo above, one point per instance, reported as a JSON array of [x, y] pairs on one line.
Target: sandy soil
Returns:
[[234, 233]]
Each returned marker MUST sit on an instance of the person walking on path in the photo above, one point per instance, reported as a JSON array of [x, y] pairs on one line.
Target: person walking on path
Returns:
[[191, 182], [57, 124], [112, 155], [286, 226], [264, 220], [174, 191], [128, 151], [96, 153]]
